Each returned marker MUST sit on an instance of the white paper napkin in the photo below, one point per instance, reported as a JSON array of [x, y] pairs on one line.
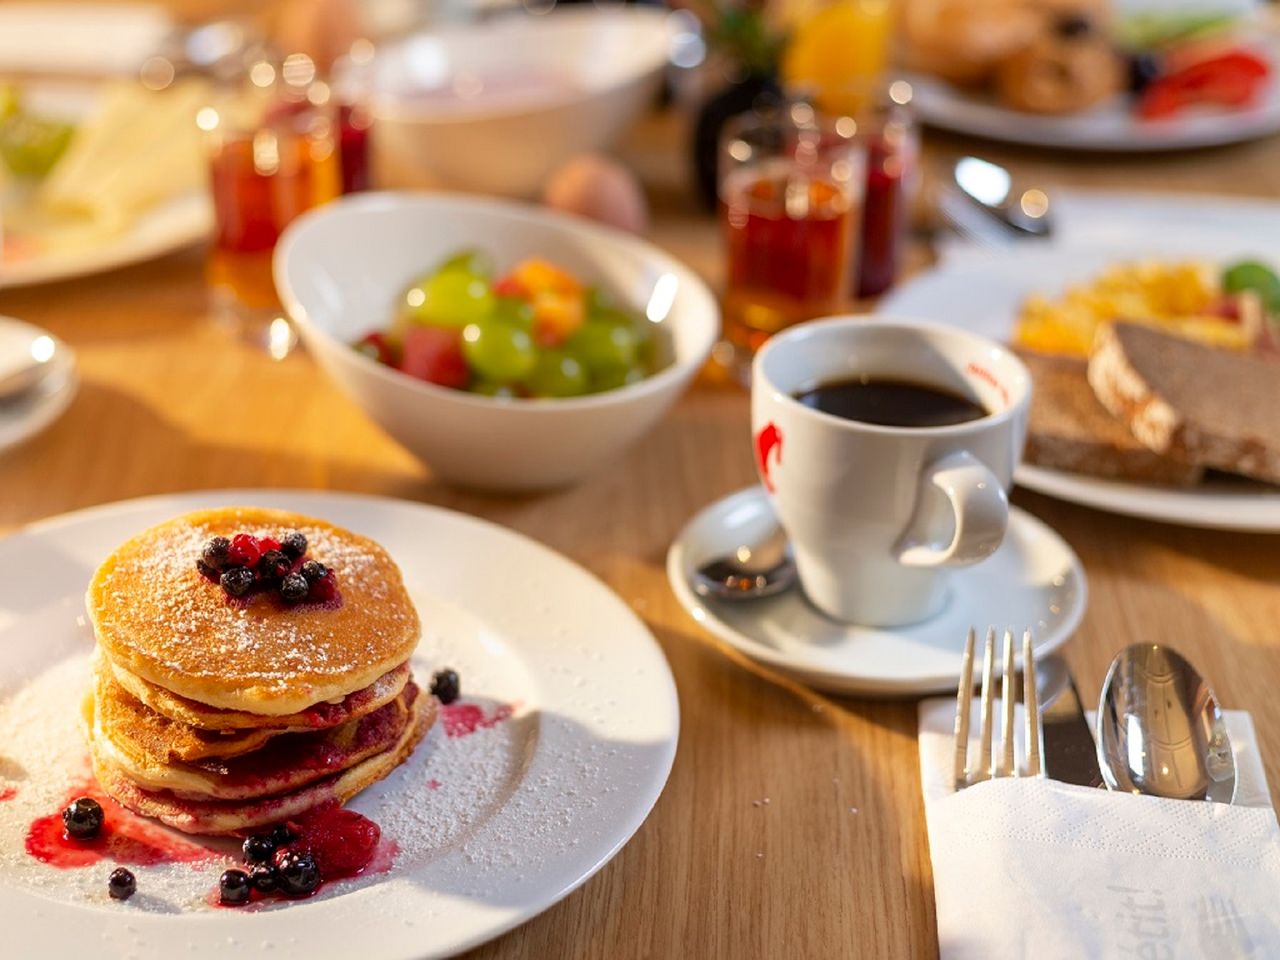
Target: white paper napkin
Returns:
[[1035, 868]]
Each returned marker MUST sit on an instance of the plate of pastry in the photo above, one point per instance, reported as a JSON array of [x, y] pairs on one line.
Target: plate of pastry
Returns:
[[1156, 377], [1135, 75], [95, 177], [327, 724]]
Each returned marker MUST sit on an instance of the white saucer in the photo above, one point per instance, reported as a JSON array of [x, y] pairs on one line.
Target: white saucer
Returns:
[[1034, 580], [23, 417]]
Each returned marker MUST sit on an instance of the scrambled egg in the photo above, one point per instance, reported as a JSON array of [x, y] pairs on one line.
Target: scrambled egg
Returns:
[[1181, 297]]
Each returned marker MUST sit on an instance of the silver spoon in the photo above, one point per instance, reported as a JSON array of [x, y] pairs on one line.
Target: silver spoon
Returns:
[[1160, 729], [753, 570], [984, 203], [29, 366]]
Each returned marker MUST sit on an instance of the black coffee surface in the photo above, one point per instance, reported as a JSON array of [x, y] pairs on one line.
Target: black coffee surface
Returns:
[[891, 403]]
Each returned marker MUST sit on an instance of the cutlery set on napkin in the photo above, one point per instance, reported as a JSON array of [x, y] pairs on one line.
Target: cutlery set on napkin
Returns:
[[1032, 859]]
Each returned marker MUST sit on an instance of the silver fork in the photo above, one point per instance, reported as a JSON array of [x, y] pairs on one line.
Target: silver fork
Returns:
[[988, 764]]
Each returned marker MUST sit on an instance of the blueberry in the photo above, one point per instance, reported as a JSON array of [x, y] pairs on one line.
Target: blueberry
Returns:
[[214, 554], [83, 818], [314, 570], [208, 571], [445, 686], [274, 565], [258, 848], [294, 545], [234, 887], [282, 836], [237, 581], [298, 873], [121, 884], [264, 877], [294, 587]]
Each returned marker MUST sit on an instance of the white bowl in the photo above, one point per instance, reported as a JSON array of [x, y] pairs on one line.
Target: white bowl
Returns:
[[557, 85], [341, 268]]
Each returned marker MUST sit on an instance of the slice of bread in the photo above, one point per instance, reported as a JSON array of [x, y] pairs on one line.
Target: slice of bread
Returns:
[[1070, 430], [1218, 408]]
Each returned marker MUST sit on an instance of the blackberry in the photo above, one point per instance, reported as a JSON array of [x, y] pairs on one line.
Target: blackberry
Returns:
[[282, 836], [445, 686], [273, 565], [294, 587], [298, 873], [237, 581], [214, 554], [121, 884], [83, 818], [258, 848], [314, 571], [264, 878], [234, 888], [294, 545]]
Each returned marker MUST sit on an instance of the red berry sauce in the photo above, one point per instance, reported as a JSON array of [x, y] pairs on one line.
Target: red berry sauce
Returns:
[[8, 793], [464, 719], [124, 838], [343, 843]]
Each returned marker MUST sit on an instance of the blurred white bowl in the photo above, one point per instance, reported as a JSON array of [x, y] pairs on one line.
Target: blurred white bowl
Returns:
[[341, 269], [495, 107]]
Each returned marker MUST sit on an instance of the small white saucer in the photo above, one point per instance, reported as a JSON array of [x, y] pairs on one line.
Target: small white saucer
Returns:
[[1034, 580], [22, 417]]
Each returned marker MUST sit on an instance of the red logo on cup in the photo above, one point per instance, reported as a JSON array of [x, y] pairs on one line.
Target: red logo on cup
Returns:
[[767, 440]]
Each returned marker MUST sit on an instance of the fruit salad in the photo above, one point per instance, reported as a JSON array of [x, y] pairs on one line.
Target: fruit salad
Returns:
[[535, 331]]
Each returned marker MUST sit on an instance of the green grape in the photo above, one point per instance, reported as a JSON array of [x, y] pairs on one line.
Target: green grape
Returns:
[[599, 303], [604, 346], [556, 374], [30, 146], [451, 298], [503, 391], [468, 260], [499, 351], [513, 310], [615, 377]]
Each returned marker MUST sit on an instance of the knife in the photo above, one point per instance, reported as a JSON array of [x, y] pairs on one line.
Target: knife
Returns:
[[1070, 754]]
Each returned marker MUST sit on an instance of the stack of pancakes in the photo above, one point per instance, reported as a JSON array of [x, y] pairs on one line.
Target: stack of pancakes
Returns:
[[219, 715]]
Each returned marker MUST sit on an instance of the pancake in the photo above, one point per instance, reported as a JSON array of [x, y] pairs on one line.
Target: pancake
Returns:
[[207, 719], [239, 817], [157, 617], [155, 735], [285, 764]]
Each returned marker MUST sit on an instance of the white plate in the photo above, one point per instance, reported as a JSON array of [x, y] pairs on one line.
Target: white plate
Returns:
[[23, 417], [171, 225], [1110, 127], [501, 824], [1033, 580], [984, 295]]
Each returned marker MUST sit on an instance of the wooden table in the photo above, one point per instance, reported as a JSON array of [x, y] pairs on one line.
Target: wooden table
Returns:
[[837, 863]]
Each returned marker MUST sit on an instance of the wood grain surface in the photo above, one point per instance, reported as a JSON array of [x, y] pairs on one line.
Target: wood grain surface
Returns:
[[836, 863]]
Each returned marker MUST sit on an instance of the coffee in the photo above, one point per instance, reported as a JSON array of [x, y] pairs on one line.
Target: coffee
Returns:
[[891, 403]]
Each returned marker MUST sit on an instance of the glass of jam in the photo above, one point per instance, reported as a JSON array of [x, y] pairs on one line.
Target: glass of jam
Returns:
[[273, 154], [791, 195], [887, 127]]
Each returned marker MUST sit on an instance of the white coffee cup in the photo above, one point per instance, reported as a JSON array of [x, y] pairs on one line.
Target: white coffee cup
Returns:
[[877, 514]]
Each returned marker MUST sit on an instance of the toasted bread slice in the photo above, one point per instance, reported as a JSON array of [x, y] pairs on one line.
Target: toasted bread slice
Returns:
[[1218, 408], [1071, 430]]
